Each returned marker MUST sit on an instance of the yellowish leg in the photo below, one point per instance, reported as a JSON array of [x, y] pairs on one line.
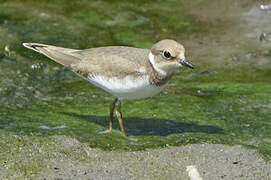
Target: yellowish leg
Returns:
[[112, 108], [119, 115]]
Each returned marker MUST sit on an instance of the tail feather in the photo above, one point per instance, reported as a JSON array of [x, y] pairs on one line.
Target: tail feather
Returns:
[[61, 55]]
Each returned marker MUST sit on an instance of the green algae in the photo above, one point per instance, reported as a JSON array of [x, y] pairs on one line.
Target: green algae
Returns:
[[228, 104]]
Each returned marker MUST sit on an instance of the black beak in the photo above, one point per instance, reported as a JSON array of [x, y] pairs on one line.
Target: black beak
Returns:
[[186, 63]]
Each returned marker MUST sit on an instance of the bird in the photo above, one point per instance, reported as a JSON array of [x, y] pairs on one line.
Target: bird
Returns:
[[128, 73]]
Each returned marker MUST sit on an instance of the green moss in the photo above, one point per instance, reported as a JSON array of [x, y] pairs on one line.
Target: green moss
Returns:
[[228, 104]]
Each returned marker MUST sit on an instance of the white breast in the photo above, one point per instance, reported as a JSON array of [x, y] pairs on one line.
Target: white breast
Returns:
[[127, 88]]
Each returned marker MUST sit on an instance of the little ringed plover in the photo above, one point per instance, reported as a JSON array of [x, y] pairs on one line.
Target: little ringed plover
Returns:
[[126, 72]]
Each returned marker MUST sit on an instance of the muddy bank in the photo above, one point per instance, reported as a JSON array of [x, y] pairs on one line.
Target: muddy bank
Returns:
[[60, 157]]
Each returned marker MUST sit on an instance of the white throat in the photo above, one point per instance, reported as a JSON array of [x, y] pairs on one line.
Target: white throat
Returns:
[[151, 58]]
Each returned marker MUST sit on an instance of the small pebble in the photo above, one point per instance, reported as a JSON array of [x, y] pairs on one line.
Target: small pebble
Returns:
[[7, 50], [265, 7]]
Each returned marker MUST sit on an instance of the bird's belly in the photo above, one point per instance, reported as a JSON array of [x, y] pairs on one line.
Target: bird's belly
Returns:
[[127, 88]]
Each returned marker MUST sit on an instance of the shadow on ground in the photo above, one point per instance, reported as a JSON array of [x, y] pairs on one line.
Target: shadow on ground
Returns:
[[150, 126]]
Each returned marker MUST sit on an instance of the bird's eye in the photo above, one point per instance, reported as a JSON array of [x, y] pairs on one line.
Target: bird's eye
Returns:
[[167, 54]]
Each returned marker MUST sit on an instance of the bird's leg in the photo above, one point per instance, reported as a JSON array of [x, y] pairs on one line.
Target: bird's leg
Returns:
[[112, 108], [119, 115]]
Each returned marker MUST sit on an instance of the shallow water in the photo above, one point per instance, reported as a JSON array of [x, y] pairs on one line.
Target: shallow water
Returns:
[[226, 99]]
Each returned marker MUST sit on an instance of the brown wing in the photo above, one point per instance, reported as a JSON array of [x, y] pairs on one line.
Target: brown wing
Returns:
[[111, 61]]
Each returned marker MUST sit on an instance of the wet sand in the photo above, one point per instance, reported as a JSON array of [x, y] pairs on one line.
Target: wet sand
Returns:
[[67, 158]]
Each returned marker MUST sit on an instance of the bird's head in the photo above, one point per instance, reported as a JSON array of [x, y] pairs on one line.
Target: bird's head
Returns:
[[167, 55]]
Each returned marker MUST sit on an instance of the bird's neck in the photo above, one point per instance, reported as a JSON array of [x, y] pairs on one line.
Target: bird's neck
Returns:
[[156, 75]]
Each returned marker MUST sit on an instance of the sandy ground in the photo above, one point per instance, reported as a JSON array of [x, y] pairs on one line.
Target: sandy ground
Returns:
[[70, 159], [213, 161]]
